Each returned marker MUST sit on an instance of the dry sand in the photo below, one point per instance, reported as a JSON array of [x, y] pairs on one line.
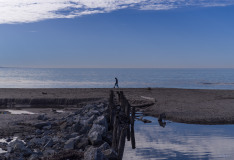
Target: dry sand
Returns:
[[181, 105]]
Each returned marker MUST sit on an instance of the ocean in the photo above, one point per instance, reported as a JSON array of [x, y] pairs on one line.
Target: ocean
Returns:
[[105, 78]]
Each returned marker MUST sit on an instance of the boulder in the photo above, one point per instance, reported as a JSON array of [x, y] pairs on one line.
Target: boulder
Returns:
[[49, 144], [110, 154], [42, 124], [71, 143], [101, 120], [104, 146], [95, 134], [93, 153]]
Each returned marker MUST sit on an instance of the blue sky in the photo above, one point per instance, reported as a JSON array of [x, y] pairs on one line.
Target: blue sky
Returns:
[[119, 34]]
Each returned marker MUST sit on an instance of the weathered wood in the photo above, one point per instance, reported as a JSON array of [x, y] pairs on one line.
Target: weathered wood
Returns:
[[133, 137], [111, 106], [128, 132], [122, 124], [121, 143], [122, 101], [114, 135], [133, 115]]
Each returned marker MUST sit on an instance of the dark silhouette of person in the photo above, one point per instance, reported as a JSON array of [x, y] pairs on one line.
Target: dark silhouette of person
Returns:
[[116, 83]]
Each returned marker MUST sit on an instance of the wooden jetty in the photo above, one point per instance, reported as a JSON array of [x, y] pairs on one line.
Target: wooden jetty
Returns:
[[122, 118]]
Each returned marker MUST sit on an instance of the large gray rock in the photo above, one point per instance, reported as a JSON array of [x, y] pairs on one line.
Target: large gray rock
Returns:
[[93, 153], [95, 137], [71, 143], [48, 152], [19, 146], [49, 144], [82, 143], [101, 120], [34, 157], [110, 154], [42, 117], [42, 124], [88, 121], [35, 142], [95, 134], [104, 146]]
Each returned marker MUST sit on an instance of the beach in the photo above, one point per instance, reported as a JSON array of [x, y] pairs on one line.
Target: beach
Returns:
[[180, 105]]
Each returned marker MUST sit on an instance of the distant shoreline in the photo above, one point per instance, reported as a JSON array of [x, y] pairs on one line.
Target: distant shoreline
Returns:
[[199, 106]]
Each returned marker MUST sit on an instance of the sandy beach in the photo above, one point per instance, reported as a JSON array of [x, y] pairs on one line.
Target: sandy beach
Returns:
[[180, 105]]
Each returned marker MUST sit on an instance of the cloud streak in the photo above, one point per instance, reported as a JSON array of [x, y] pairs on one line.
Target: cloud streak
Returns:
[[26, 11]]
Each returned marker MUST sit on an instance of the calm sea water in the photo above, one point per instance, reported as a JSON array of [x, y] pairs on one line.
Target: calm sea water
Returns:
[[179, 141], [104, 78]]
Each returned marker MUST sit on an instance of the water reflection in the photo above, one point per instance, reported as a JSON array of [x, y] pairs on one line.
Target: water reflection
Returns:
[[2, 151], [13, 111], [181, 141]]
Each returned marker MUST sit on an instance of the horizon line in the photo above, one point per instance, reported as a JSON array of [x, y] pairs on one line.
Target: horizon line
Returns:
[[26, 67]]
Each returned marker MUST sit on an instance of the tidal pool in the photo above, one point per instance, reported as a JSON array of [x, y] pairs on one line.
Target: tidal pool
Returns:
[[12, 111], [180, 141]]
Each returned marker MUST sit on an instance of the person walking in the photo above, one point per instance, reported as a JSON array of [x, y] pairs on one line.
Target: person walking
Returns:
[[116, 83]]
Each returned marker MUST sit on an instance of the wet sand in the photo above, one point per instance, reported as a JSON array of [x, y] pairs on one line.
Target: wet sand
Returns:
[[180, 105]]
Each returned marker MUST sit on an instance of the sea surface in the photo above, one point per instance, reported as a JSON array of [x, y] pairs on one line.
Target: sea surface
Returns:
[[105, 78]]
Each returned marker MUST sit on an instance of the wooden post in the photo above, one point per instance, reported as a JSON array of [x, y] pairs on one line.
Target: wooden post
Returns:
[[127, 112], [122, 100], [133, 137], [114, 135], [132, 128], [133, 115], [121, 143], [111, 107]]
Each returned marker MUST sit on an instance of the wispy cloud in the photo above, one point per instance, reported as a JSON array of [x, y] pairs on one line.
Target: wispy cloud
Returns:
[[25, 11]]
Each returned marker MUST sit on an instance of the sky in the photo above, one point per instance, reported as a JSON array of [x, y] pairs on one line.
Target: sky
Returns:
[[117, 34]]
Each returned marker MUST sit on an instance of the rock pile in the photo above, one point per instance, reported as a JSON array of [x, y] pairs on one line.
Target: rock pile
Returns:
[[82, 134]]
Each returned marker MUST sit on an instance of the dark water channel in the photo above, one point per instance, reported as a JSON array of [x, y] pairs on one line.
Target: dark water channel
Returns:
[[180, 141]]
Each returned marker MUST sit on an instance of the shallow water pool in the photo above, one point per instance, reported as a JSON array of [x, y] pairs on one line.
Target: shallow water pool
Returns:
[[180, 141], [13, 111]]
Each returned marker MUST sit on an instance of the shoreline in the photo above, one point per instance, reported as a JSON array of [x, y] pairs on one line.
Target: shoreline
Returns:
[[198, 106]]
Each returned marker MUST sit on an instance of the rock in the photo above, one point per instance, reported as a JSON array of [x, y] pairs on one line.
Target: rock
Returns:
[[70, 121], [48, 152], [42, 117], [49, 144], [9, 149], [76, 127], [85, 129], [42, 124], [82, 143], [93, 112], [8, 139], [95, 137], [63, 126], [35, 142], [93, 154], [101, 120], [95, 134], [104, 146], [100, 129], [162, 117], [34, 157], [73, 135], [38, 131], [18, 146], [47, 127], [110, 154], [88, 121], [71, 143]]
